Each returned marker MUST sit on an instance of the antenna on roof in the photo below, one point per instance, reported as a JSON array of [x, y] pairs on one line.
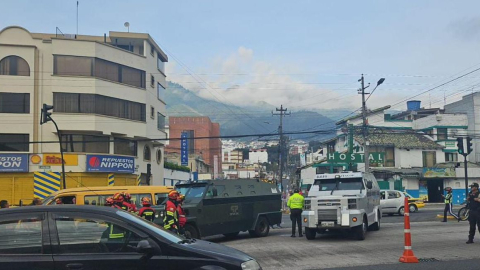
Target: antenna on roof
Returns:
[[127, 24]]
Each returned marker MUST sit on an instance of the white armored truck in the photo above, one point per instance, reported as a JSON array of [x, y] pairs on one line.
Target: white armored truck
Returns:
[[342, 201]]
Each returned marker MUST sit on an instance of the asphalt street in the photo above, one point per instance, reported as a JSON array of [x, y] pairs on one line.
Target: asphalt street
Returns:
[[439, 245]]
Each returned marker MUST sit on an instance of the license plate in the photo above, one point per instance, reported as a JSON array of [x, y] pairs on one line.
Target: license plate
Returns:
[[327, 224]]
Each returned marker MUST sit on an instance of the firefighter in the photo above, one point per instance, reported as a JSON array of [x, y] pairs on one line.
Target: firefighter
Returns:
[[127, 204], [147, 212], [182, 218], [170, 222], [448, 204], [474, 216]]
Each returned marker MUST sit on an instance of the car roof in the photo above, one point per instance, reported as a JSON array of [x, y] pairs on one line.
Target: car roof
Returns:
[[60, 208]]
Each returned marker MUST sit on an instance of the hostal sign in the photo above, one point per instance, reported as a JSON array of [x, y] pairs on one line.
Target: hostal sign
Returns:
[[354, 157]]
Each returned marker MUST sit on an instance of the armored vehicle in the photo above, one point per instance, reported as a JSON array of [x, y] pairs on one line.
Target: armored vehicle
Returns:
[[342, 201], [229, 207]]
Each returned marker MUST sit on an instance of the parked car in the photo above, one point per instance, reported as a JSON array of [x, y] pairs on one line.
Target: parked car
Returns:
[[90, 237]]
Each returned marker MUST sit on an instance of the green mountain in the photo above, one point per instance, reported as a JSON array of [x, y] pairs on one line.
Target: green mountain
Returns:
[[236, 120]]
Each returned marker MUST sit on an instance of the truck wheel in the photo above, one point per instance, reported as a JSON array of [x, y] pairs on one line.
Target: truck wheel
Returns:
[[401, 211], [359, 232], [231, 235], [376, 226], [261, 228], [191, 232], [310, 233]]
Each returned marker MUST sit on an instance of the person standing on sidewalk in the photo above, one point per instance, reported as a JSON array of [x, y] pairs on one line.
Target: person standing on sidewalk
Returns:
[[295, 203], [448, 204], [474, 216]]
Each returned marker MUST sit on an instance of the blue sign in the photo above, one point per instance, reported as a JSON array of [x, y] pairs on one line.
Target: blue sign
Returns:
[[184, 149], [14, 163], [106, 163]]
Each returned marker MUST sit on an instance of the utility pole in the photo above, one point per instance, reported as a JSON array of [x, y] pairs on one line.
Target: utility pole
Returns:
[[282, 112], [364, 117]]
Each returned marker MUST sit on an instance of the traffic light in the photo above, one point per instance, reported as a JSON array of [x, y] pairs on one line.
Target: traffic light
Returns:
[[469, 145], [45, 117], [460, 145], [149, 173]]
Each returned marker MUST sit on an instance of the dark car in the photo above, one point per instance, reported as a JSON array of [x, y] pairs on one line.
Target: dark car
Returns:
[[90, 237]]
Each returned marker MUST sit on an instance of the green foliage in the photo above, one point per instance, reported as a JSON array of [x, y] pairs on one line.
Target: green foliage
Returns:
[[175, 167]]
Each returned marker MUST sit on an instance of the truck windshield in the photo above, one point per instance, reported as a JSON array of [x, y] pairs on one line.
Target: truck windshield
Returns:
[[193, 194], [339, 184]]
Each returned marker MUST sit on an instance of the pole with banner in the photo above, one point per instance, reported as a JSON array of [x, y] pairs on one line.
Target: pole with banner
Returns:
[[184, 149]]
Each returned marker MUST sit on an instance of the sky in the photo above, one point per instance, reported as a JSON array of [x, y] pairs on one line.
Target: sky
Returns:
[[301, 54]]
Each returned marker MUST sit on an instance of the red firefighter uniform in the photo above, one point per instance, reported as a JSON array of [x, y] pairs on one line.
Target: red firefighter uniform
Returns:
[[147, 212], [170, 222]]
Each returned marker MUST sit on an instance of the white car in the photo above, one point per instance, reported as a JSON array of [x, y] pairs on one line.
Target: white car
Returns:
[[392, 202]]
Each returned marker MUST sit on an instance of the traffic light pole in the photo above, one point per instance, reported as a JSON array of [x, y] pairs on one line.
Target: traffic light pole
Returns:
[[61, 152]]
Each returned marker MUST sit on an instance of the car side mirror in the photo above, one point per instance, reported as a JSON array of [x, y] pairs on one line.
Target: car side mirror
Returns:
[[369, 185], [215, 192], [144, 247]]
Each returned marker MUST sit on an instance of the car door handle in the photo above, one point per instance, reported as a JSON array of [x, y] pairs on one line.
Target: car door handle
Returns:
[[76, 266]]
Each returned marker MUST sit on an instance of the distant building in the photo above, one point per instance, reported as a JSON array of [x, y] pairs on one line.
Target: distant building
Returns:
[[209, 148]]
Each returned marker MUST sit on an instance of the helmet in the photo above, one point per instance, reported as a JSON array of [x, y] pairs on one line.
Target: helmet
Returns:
[[58, 201], [126, 196], [146, 201], [118, 197], [173, 195], [109, 201], [181, 198]]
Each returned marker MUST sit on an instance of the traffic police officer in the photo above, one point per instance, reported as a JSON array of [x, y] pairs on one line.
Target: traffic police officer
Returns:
[[474, 207], [448, 204], [295, 203]]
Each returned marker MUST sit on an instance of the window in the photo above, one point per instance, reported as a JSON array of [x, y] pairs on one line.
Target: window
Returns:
[[451, 157], [96, 67], [14, 66], [442, 134], [98, 104], [14, 142], [429, 158], [159, 156], [160, 121], [160, 92], [85, 143], [14, 103], [21, 236], [152, 112], [160, 65], [146, 153], [87, 235], [124, 147], [152, 81]]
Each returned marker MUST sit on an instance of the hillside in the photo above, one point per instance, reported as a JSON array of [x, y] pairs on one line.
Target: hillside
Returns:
[[236, 120]]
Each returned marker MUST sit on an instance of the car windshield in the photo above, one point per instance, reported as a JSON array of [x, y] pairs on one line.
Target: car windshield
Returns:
[[193, 194], [151, 227], [339, 184]]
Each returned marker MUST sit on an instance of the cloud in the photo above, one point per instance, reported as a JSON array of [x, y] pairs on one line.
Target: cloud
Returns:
[[242, 80]]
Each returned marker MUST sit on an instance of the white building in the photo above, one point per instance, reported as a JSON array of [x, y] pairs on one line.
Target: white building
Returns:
[[108, 97]]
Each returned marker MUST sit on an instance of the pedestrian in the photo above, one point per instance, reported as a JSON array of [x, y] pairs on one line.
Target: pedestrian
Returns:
[[170, 221], [147, 211], [448, 204], [36, 201], [473, 201], [4, 204], [295, 203]]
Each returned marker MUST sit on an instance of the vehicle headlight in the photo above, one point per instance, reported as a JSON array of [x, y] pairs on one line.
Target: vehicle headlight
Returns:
[[307, 205], [352, 204], [251, 265]]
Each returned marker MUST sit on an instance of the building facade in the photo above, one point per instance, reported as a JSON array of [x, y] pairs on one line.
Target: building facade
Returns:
[[108, 97]]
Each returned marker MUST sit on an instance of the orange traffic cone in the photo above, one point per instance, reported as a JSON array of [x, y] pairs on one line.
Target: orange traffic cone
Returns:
[[408, 256]]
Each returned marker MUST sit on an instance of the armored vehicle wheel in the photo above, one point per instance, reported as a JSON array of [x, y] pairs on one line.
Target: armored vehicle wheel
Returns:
[[376, 226], [231, 235], [191, 232], [310, 233], [261, 228], [359, 232]]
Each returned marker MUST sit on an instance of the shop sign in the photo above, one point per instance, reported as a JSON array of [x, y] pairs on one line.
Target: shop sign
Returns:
[[438, 172], [14, 163], [107, 163], [354, 157], [56, 160]]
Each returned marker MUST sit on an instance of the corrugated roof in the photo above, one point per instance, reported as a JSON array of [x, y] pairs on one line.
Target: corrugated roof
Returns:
[[405, 140]]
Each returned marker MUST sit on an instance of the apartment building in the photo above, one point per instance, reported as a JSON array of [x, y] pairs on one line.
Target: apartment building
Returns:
[[108, 97]]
